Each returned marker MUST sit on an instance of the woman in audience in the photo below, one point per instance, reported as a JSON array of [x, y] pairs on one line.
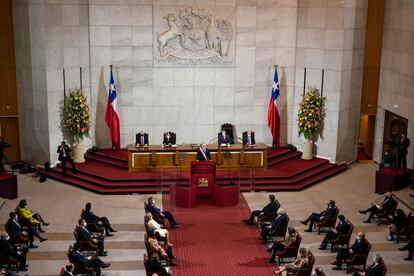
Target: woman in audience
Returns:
[[280, 246], [301, 262], [154, 226], [159, 251], [34, 218], [397, 223]]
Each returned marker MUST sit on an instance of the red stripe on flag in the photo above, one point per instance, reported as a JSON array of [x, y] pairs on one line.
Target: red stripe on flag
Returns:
[[273, 122], [112, 120]]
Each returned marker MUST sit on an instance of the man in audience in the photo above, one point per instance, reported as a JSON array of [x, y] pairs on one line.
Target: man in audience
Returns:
[[90, 217], [341, 229], [158, 213], [83, 234], [402, 150], [410, 248], [158, 250], [223, 139], [89, 261], [271, 207], [330, 212], [387, 204], [376, 269], [360, 246], [248, 138], [14, 252], [278, 222], [14, 228], [141, 139], [69, 270], [64, 157]]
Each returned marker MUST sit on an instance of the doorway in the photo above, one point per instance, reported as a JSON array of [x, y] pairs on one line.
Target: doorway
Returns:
[[394, 125], [366, 137]]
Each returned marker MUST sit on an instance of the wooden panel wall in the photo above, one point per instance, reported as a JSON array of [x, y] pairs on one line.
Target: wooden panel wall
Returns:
[[9, 125], [372, 59]]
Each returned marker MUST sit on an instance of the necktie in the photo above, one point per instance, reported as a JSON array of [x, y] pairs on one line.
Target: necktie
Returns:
[[142, 140]]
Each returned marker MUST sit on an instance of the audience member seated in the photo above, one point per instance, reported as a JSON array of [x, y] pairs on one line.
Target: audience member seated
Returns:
[[280, 246], [14, 228], [319, 272], [87, 261], [4, 272], [360, 246], [397, 223], [154, 226], [272, 206], [68, 270], [159, 251], [410, 248], [83, 234], [376, 269], [34, 218], [278, 222], [154, 265], [158, 213], [90, 217], [301, 262], [330, 212], [14, 252], [387, 204], [341, 229]]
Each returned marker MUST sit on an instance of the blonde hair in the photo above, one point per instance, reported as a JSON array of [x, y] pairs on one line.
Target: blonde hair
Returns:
[[147, 217], [303, 252]]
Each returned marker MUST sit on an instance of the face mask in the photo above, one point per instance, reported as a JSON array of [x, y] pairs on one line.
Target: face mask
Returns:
[[359, 238], [7, 238]]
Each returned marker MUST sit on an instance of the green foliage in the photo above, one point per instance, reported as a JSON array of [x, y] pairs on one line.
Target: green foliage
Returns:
[[311, 114]]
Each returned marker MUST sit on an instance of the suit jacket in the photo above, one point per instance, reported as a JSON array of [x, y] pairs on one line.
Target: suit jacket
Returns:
[[65, 273], [270, 207], [403, 145], [360, 247], [330, 212], [79, 258], [246, 139], [170, 141], [279, 222], [13, 227], [67, 150], [388, 203], [374, 270], [223, 139], [342, 228], [155, 212], [84, 234], [138, 139], [90, 217], [200, 156], [7, 248]]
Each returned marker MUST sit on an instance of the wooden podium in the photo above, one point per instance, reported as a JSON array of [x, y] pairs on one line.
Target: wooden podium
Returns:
[[203, 177]]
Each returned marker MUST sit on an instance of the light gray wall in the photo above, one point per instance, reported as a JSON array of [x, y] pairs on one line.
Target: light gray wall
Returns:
[[396, 92]]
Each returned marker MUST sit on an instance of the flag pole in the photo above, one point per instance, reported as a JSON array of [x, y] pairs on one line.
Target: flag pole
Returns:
[[64, 87], [323, 75], [80, 77], [304, 83]]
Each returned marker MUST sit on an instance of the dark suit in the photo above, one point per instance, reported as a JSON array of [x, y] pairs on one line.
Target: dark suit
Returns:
[[200, 156], [358, 247], [83, 234], [402, 150], [330, 212], [341, 229], [90, 217], [386, 205], [248, 140], [14, 228], [271, 207], [7, 248], [65, 273], [374, 270], [97, 263], [141, 140], [155, 265], [278, 222], [64, 156], [157, 213], [223, 139]]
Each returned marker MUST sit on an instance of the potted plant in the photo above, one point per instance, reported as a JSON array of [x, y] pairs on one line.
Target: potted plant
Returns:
[[310, 119], [75, 121]]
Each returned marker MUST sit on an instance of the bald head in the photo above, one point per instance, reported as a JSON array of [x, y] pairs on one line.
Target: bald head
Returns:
[[4, 236]]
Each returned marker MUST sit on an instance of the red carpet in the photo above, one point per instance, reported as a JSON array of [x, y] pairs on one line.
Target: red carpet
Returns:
[[214, 241], [105, 171]]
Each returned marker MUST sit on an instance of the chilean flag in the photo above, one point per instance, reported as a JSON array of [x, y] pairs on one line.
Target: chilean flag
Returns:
[[273, 118], [111, 116]]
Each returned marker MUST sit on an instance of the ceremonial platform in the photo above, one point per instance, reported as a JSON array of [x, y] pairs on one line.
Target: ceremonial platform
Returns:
[[106, 172]]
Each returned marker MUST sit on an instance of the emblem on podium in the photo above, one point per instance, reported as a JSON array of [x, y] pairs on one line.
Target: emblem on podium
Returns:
[[202, 182]]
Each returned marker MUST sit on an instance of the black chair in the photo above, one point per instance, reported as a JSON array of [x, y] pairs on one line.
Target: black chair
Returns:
[[94, 228], [290, 251], [342, 239]]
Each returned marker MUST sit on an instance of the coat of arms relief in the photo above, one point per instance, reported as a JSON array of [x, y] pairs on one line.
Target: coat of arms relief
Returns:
[[195, 36]]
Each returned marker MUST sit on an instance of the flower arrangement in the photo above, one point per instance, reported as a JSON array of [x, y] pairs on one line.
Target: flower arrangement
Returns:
[[311, 114], [75, 119]]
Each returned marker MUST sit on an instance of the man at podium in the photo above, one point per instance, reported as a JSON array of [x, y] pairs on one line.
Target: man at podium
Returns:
[[203, 154]]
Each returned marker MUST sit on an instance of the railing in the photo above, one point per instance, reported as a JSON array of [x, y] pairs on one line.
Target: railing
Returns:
[[410, 207]]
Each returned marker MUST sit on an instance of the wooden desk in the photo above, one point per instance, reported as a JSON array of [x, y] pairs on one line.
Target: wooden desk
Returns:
[[158, 157]]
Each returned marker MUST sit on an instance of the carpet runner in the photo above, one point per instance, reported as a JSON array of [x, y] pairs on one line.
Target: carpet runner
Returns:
[[214, 241]]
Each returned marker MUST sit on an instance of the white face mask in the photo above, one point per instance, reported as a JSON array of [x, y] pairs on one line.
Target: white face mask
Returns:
[[359, 238], [7, 238]]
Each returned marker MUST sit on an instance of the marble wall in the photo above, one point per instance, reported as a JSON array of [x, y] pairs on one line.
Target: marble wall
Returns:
[[396, 92]]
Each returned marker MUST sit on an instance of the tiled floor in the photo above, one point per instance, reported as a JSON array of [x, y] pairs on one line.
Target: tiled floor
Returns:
[[61, 205]]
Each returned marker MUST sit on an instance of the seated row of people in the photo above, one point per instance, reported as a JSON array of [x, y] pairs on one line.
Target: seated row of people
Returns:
[[330, 212], [160, 215], [271, 207]]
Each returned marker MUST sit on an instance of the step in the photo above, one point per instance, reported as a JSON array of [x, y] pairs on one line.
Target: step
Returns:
[[109, 156], [283, 158], [271, 153], [107, 161]]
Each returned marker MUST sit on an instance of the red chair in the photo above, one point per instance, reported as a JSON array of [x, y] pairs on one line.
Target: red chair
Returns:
[[151, 252], [342, 239], [359, 259], [94, 228], [79, 268], [9, 262], [147, 270], [290, 251], [408, 230], [269, 216], [327, 222], [305, 271], [87, 246], [24, 222]]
